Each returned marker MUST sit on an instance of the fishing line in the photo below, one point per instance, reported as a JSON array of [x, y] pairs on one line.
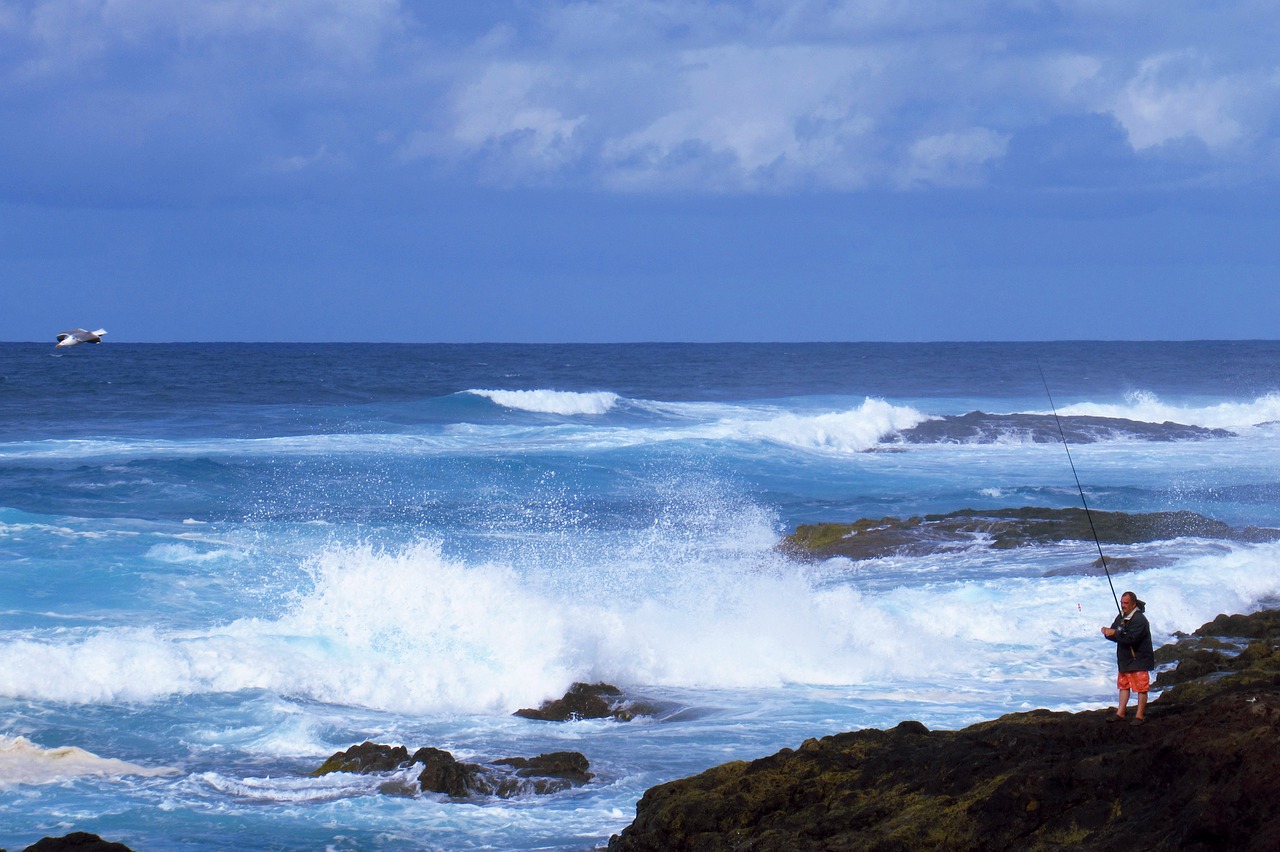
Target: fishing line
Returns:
[[1079, 487]]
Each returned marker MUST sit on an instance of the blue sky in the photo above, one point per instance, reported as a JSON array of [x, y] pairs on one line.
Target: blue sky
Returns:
[[387, 170]]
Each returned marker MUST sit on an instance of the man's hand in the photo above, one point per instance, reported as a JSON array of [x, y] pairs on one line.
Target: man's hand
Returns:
[[1108, 632]]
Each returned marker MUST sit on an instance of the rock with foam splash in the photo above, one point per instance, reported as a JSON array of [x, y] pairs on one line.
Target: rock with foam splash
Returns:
[[442, 773], [590, 701]]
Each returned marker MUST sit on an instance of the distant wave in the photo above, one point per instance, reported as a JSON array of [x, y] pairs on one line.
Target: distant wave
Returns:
[[567, 403], [24, 762]]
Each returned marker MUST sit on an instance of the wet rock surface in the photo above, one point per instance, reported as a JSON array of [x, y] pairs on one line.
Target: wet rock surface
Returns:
[[1203, 773], [442, 773], [590, 701], [979, 427], [869, 538]]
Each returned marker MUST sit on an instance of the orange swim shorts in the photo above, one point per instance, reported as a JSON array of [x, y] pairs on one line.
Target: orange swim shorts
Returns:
[[1134, 681]]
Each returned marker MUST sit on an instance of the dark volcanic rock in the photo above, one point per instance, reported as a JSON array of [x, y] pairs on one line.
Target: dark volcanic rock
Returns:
[[443, 773], [77, 841], [869, 538], [505, 778], [1202, 774], [979, 427], [366, 758], [589, 701], [1245, 646]]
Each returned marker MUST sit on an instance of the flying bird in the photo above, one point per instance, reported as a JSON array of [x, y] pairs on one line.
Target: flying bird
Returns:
[[79, 335]]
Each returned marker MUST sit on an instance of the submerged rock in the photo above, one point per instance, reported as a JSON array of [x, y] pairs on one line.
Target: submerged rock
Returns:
[[1201, 774], [590, 701], [443, 773], [870, 538]]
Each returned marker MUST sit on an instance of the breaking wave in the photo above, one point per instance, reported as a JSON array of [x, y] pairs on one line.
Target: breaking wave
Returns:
[[414, 631], [1146, 407], [565, 403]]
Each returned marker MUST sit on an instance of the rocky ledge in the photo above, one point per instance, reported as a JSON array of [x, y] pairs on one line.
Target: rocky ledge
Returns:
[[979, 427], [1203, 773], [442, 773], [869, 538]]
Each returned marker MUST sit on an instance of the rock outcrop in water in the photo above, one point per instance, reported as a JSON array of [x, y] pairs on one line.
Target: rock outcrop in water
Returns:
[[590, 701], [1202, 774], [442, 773], [869, 538], [979, 427]]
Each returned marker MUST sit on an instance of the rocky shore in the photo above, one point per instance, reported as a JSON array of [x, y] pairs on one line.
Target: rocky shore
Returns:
[[1203, 773]]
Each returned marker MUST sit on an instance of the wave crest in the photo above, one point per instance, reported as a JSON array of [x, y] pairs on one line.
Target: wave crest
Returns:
[[565, 403], [853, 431], [1147, 407]]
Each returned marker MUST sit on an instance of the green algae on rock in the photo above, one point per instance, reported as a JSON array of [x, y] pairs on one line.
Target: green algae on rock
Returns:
[[869, 538]]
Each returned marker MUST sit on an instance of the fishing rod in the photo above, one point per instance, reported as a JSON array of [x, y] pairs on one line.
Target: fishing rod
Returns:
[[1079, 487]]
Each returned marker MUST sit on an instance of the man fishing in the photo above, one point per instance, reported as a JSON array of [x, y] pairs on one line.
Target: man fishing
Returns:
[[1132, 635]]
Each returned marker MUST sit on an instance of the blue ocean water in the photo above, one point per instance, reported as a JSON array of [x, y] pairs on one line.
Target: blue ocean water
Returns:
[[221, 563]]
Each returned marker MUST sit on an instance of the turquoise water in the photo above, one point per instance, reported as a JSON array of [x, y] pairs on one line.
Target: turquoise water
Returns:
[[221, 563]]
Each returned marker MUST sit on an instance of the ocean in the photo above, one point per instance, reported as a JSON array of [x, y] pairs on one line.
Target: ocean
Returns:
[[222, 563]]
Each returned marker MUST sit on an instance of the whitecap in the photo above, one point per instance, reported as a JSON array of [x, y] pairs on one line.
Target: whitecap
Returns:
[[849, 431], [1147, 407], [566, 403]]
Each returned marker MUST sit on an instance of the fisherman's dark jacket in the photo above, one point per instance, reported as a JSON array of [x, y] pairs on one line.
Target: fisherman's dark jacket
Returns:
[[1133, 643]]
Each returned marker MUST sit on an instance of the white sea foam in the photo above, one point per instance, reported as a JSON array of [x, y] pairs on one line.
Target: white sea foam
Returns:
[[301, 790], [412, 631], [567, 403], [186, 554], [23, 762], [1146, 407], [850, 431]]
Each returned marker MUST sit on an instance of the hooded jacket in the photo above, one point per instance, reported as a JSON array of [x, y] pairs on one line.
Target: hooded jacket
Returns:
[[1133, 641]]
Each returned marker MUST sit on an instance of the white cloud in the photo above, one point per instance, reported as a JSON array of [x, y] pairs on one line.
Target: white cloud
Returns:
[[1174, 95], [633, 95], [953, 159], [799, 122], [508, 99], [70, 36], [300, 162]]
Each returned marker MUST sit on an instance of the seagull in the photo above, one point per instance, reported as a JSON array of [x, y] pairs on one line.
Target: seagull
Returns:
[[79, 335]]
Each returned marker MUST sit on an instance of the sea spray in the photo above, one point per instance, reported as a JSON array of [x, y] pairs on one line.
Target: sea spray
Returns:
[[1144, 406], [378, 554]]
